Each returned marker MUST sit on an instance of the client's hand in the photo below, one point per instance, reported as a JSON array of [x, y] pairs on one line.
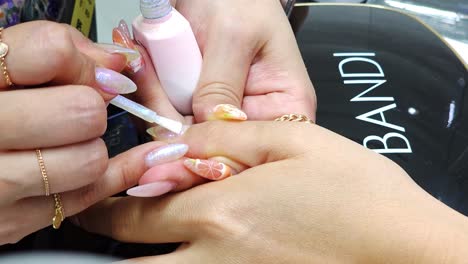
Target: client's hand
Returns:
[[52, 117], [250, 60], [309, 196]]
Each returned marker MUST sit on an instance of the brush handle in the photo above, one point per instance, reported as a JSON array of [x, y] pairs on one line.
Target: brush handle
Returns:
[[134, 108]]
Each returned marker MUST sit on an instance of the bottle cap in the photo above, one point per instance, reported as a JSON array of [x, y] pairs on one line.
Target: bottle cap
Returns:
[[154, 9]]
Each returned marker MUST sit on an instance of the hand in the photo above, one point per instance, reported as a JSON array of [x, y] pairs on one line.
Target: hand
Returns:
[[309, 196], [251, 61], [64, 118]]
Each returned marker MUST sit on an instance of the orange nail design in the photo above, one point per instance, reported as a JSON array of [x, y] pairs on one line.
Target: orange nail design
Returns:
[[209, 169], [227, 112], [121, 36]]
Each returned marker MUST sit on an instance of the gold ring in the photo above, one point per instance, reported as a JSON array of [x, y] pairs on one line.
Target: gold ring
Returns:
[[59, 212], [3, 54], [295, 118], [58, 206], [40, 160]]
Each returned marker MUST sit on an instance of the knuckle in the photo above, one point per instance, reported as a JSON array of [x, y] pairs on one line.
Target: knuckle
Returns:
[[216, 89], [89, 109], [97, 160], [57, 44]]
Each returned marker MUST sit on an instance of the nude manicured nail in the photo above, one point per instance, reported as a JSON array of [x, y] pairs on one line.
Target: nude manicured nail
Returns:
[[152, 189], [166, 154], [209, 169], [114, 82]]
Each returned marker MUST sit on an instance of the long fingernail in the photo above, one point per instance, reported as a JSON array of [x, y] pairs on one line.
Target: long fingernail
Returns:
[[133, 56], [227, 112], [166, 154], [121, 36], [162, 134], [114, 82], [152, 189], [123, 26], [209, 169]]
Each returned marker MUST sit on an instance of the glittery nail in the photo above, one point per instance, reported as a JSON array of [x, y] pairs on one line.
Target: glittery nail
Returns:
[[166, 154]]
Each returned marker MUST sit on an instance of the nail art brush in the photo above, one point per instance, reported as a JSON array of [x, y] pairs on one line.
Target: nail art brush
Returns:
[[146, 114]]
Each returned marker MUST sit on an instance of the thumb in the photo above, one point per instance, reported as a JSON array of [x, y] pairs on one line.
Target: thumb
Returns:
[[220, 91]]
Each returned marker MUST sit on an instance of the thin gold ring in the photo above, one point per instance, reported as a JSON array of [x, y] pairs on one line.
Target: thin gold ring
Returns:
[[59, 210], [295, 118], [3, 54], [42, 167]]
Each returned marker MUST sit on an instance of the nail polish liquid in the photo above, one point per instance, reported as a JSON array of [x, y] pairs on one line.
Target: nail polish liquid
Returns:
[[169, 40]]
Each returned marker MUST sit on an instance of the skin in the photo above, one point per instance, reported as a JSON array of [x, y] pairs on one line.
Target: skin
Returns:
[[250, 60], [64, 118], [303, 199]]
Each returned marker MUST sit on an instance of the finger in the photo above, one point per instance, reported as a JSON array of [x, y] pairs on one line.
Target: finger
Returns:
[[161, 179], [41, 118], [124, 219], [123, 172], [150, 92], [100, 56], [226, 63], [278, 83], [34, 213], [67, 168], [273, 141], [184, 174], [44, 52]]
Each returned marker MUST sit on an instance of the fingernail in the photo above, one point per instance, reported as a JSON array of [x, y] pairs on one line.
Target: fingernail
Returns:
[[162, 134], [166, 154], [124, 28], [133, 56], [114, 82], [121, 36], [152, 189], [209, 169], [227, 112]]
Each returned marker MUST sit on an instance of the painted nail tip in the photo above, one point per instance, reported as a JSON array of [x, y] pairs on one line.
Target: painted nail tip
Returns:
[[152, 189]]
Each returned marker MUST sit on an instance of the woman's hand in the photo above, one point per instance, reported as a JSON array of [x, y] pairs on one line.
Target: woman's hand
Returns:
[[308, 196], [250, 60], [58, 105]]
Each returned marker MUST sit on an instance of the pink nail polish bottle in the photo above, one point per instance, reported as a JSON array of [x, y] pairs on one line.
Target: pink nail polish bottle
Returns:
[[169, 39]]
